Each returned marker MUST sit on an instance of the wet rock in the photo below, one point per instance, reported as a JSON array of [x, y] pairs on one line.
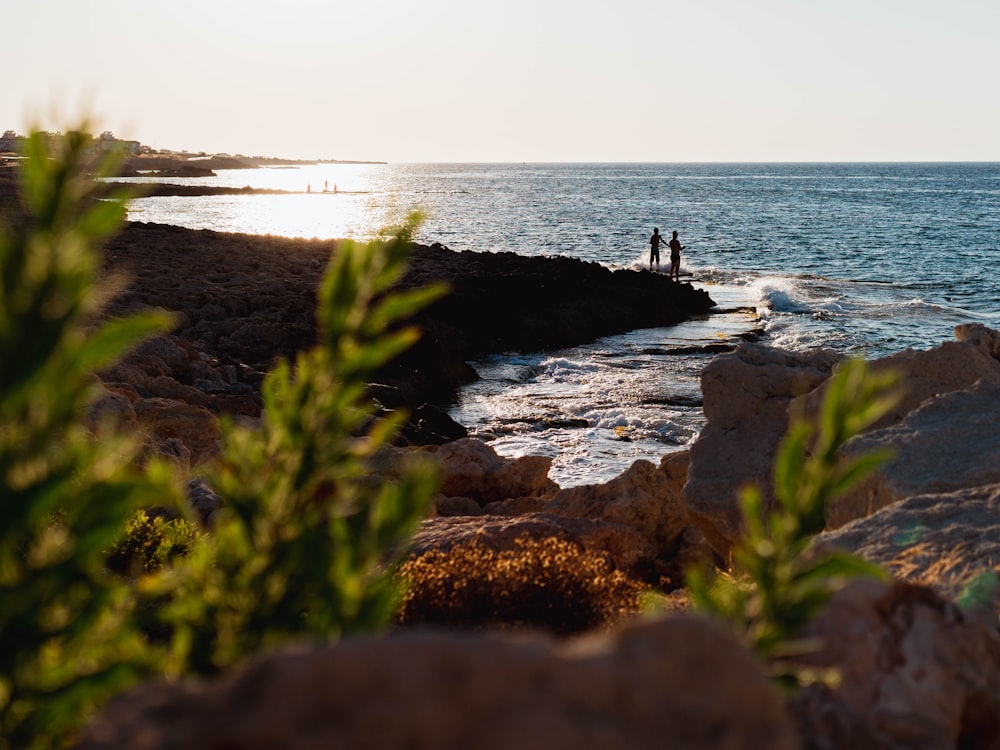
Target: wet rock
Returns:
[[429, 425], [914, 673], [680, 681]]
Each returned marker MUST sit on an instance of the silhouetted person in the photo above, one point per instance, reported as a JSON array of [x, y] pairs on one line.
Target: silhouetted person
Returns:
[[654, 248], [675, 257]]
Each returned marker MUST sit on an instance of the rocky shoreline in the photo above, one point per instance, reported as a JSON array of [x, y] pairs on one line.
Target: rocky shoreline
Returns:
[[922, 665], [242, 301], [918, 656]]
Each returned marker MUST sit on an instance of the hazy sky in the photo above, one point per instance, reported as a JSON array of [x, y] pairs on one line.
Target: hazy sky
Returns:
[[518, 80]]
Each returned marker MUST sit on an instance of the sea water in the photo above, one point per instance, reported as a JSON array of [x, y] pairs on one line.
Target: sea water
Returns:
[[867, 259]]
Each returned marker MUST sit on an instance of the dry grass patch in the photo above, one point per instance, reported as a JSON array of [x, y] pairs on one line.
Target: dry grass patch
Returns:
[[549, 584]]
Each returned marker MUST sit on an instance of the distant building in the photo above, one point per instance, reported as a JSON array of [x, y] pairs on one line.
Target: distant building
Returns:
[[9, 142], [106, 141]]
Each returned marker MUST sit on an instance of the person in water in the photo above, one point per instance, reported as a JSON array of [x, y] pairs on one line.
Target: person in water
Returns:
[[654, 248], [675, 257]]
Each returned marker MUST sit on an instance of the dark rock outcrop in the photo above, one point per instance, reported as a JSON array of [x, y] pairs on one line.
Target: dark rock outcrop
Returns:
[[244, 300]]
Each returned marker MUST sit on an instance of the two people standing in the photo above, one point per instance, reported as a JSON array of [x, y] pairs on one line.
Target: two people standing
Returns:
[[675, 253]]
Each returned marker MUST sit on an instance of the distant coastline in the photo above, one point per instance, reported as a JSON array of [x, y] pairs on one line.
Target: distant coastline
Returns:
[[142, 158], [166, 164]]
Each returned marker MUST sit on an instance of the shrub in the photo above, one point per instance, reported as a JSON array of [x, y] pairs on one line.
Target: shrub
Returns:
[[67, 642], [550, 584], [780, 583], [148, 543], [307, 544]]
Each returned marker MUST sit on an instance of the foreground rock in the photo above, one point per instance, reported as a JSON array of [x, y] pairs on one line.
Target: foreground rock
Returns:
[[679, 682], [746, 398], [915, 673], [948, 542]]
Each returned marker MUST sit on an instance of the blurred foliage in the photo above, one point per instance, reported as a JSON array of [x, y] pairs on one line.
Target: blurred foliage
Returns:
[[64, 493], [779, 584], [306, 543], [549, 584]]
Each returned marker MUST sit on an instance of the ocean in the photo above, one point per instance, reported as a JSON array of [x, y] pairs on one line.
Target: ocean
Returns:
[[866, 259]]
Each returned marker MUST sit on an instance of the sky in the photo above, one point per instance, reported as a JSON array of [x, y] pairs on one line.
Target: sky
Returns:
[[515, 81]]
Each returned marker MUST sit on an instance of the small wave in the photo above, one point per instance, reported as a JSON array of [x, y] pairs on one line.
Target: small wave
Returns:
[[777, 294]]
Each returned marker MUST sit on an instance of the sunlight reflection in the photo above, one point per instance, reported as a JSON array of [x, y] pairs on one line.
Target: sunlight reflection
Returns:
[[324, 201]]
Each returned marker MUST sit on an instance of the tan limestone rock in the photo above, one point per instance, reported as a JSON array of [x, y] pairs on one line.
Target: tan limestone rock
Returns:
[[471, 468], [949, 443], [927, 374], [947, 542], [643, 498], [623, 546], [195, 427], [985, 339], [746, 397]]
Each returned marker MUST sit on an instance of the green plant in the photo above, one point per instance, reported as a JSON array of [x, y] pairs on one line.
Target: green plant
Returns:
[[550, 584], [306, 543], [780, 583], [309, 539], [148, 543], [64, 493]]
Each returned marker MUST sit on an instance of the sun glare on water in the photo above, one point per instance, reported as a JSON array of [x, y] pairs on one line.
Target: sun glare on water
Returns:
[[325, 201]]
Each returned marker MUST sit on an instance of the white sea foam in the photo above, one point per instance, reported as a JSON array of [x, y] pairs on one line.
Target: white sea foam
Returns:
[[779, 295]]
